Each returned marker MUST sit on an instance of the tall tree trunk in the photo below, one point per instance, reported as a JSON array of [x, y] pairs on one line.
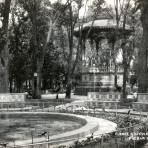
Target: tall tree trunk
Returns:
[[70, 37], [4, 52], [68, 87], [11, 83], [125, 65], [33, 17], [115, 76], [68, 79], [124, 93], [143, 54], [40, 59], [39, 79]]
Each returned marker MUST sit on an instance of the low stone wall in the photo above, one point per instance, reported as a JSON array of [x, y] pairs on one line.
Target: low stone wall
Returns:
[[142, 102], [104, 96], [52, 96], [140, 106], [142, 97], [12, 97], [103, 104], [103, 99]]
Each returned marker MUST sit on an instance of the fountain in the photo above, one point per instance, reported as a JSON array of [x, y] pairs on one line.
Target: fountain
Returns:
[[19, 126], [24, 128]]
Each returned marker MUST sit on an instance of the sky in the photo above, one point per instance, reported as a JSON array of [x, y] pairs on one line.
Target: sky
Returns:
[[109, 2]]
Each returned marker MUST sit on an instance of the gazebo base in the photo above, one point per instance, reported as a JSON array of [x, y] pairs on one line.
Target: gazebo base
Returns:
[[142, 102], [140, 106], [83, 90]]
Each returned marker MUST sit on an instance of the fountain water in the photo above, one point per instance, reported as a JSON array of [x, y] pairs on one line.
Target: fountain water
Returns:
[[23, 128]]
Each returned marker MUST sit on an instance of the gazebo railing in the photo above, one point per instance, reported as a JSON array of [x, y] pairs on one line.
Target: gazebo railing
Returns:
[[103, 69]]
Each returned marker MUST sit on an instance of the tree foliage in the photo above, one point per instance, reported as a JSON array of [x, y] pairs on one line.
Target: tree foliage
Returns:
[[38, 37], [4, 50], [143, 52]]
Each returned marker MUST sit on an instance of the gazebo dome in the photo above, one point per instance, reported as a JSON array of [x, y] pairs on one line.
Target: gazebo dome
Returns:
[[101, 25]]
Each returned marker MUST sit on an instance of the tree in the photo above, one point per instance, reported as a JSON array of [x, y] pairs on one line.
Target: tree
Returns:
[[4, 51], [19, 49], [53, 72], [71, 47], [43, 17], [70, 29], [143, 52], [99, 9], [123, 18]]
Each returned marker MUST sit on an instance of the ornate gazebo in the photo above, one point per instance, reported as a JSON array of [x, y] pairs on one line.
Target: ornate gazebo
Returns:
[[97, 60]]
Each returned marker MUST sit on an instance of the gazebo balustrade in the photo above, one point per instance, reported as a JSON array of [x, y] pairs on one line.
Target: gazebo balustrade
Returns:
[[102, 69]]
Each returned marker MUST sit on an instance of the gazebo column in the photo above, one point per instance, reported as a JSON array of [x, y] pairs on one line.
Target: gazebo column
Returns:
[[115, 64], [92, 45], [83, 49], [97, 46], [83, 56]]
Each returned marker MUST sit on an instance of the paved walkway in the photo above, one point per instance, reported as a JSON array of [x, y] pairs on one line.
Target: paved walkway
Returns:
[[77, 99], [141, 115]]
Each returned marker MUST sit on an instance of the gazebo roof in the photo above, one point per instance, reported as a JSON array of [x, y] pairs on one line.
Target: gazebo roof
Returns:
[[101, 25]]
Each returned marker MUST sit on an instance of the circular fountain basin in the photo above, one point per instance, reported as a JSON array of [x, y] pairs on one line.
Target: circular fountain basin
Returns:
[[21, 127], [25, 125]]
